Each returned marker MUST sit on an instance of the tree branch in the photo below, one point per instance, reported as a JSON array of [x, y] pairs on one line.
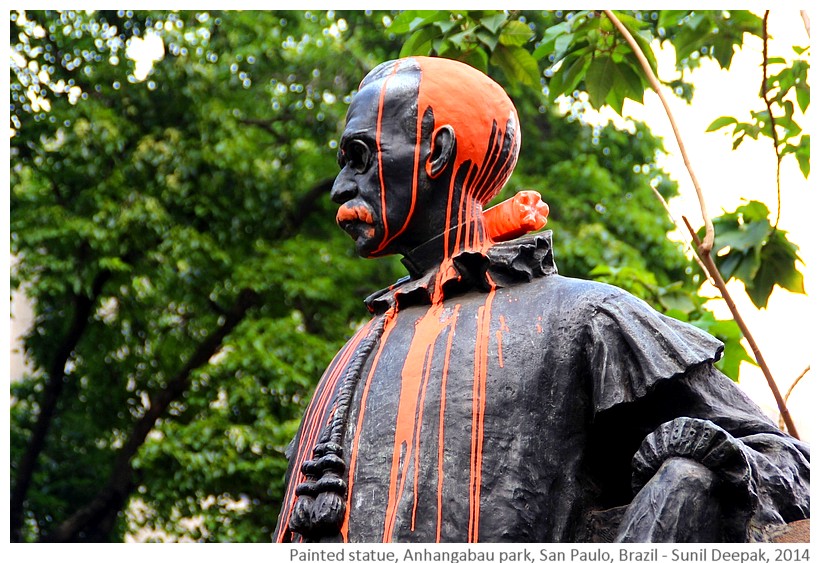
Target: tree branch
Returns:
[[724, 291], [709, 238], [265, 125], [764, 91], [791, 388], [303, 208], [678, 227], [806, 22], [111, 497], [704, 247], [83, 308]]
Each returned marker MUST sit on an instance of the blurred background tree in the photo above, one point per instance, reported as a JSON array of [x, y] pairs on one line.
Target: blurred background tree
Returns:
[[172, 226]]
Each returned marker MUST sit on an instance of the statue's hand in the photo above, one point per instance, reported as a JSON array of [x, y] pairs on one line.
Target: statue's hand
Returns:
[[696, 439]]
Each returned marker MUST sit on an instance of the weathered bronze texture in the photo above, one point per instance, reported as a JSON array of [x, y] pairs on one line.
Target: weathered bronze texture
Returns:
[[492, 399]]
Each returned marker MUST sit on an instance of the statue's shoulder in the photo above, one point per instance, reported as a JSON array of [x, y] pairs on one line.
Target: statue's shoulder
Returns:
[[577, 292]]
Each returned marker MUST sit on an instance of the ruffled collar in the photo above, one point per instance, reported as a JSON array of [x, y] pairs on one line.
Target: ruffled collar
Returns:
[[504, 264]]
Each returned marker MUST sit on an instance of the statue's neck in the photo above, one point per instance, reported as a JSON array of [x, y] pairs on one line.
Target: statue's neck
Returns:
[[467, 234]]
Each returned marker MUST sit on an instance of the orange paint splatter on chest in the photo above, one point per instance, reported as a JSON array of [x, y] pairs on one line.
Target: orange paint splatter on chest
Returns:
[[414, 377]]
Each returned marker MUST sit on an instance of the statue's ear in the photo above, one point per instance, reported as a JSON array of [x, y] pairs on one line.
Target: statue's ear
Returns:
[[444, 144]]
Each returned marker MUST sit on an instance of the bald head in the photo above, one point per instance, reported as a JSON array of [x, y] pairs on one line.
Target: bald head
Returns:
[[427, 142], [443, 92]]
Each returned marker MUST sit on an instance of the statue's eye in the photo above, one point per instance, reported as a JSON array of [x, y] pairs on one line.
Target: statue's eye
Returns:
[[355, 154]]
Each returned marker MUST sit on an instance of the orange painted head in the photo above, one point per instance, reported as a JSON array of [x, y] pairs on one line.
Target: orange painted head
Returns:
[[427, 142]]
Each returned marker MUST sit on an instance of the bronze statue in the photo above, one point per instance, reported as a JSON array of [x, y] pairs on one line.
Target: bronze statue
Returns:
[[490, 398]]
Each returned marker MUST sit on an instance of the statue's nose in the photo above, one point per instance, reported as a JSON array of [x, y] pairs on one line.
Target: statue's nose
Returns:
[[343, 189]]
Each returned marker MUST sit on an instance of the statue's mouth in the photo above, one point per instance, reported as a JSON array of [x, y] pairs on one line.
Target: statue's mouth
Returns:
[[354, 213], [356, 220]]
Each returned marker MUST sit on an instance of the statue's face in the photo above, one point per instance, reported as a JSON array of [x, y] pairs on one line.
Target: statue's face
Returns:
[[381, 181]]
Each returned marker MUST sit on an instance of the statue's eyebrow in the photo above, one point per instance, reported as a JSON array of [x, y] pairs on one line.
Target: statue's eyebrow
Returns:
[[365, 135]]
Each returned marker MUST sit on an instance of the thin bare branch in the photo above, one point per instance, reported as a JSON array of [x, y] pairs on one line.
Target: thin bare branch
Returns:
[[805, 15], [795, 382], [724, 291], [680, 230], [709, 238], [780, 423], [764, 93], [704, 247]]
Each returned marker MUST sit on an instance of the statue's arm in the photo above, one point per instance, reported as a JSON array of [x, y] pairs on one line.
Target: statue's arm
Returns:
[[658, 397], [762, 474]]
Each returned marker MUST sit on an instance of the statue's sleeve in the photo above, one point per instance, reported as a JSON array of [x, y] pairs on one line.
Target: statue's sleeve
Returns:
[[633, 348], [651, 374]]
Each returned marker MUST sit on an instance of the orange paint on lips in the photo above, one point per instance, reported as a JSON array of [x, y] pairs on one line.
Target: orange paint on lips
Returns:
[[354, 213]]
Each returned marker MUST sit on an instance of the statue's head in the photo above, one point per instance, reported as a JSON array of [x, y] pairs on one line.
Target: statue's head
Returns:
[[427, 142]]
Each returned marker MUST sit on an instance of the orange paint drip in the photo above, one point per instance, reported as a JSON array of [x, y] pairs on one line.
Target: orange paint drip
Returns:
[[500, 338], [479, 402], [408, 419], [390, 323], [448, 218], [445, 370], [379, 149], [471, 117], [413, 191], [417, 430], [314, 422], [521, 214]]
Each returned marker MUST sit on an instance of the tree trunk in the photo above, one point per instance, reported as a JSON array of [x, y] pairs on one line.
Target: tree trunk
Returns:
[[83, 308], [94, 521]]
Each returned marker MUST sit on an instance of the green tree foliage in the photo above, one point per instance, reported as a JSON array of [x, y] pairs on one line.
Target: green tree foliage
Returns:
[[190, 285], [581, 51], [158, 221]]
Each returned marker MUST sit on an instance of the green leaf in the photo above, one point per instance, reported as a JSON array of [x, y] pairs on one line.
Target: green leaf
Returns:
[[748, 267], [411, 20], [562, 44], [803, 155], [723, 51], [463, 37], [721, 122], [643, 39], [515, 33], [419, 43], [745, 236], [445, 25], [615, 101], [776, 61], [628, 82], [781, 255], [548, 41], [678, 301], [803, 97], [401, 23], [542, 51], [599, 79], [517, 64], [490, 40], [494, 22], [568, 76], [728, 264], [476, 58], [752, 211], [738, 140]]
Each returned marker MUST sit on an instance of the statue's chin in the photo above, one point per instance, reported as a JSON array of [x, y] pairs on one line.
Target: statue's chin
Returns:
[[365, 237]]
